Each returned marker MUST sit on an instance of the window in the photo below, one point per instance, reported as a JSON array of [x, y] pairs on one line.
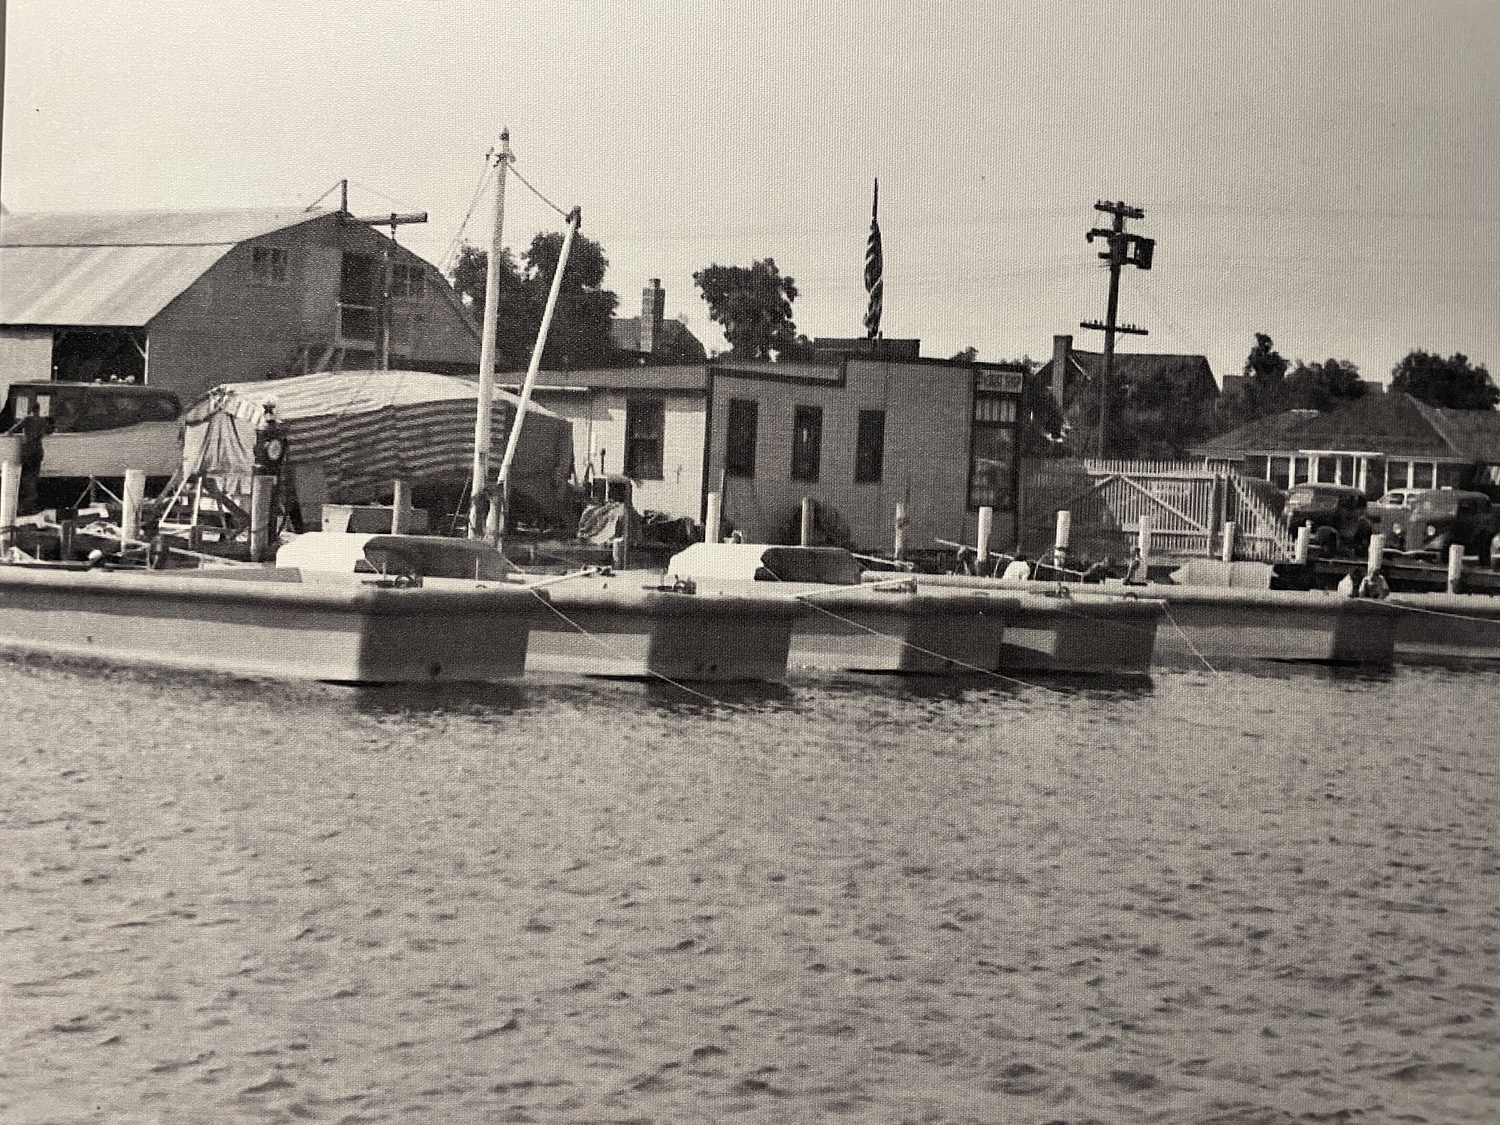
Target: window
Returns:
[[992, 450], [645, 428], [409, 280], [1280, 473], [1421, 474], [739, 447], [869, 448], [357, 297], [268, 265], [807, 442]]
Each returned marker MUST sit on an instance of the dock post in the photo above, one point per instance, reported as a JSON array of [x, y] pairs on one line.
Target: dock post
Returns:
[[619, 550], [807, 521], [1375, 555], [10, 502], [1143, 537], [1228, 549], [131, 497], [400, 508], [1060, 543], [261, 487], [898, 549], [1455, 567], [712, 519], [982, 538], [1304, 542]]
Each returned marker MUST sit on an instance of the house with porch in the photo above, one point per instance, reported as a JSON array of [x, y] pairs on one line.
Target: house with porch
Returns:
[[1375, 443], [186, 300]]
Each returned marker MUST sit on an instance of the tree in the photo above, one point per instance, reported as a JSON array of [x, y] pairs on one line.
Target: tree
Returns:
[[1453, 382], [580, 331], [1319, 386], [754, 304]]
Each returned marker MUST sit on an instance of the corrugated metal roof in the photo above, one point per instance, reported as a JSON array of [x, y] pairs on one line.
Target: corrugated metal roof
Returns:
[[117, 268]]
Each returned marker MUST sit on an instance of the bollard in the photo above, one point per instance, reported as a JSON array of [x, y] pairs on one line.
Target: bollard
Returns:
[[1304, 543], [619, 549], [711, 519], [261, 488], [1060, 544], [10, 502], [1143, 538], [898, 551], [1375, 555], [1228, 549], [130, 516], [807, 521], [400, 508], [1455, 567], [982, 538]]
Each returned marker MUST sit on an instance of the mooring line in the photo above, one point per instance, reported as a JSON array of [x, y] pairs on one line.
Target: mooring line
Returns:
[[1181, 632], [803, 598], [1442, 613], [616, 653]]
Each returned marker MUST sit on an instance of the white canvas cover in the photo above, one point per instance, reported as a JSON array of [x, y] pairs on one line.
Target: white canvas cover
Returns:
[[369, 428]]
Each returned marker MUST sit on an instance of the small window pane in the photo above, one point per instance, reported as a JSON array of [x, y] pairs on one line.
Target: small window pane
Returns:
[[645, 431], [807, 442], [739, 451], [869, 450]]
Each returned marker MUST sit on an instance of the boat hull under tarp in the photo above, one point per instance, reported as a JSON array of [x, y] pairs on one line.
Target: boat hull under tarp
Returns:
[[279, 627], [612, 626]]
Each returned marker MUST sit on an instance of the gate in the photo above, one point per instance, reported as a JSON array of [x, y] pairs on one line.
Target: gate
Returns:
[[1188, 505]]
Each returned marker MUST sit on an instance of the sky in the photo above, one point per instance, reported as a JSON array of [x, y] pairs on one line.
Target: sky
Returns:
[[1320, 171]]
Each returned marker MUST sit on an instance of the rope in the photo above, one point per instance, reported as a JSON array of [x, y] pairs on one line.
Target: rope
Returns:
[[1167, 609], [1442, 613], [514, 171], [615, 652], [450, 257]]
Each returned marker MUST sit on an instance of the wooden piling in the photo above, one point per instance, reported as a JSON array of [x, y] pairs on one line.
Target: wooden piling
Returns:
[[807, 521], [1143, 537], [712, 518], [982, 537], [1455, 567], [1061, 542], [400, 508], [1304, 543], [898, 550], [261, 488], [1227, 554], [130, 515], [10, 502], [1375, 555]]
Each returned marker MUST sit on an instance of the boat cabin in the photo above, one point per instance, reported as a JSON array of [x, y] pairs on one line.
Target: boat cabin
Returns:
[[760, 562], [402, 558]]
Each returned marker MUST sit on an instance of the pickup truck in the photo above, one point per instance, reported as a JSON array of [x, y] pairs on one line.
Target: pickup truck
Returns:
[[1337, 514]]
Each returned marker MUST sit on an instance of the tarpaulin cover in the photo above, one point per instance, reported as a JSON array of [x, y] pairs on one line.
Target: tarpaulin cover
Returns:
[[369, 428]]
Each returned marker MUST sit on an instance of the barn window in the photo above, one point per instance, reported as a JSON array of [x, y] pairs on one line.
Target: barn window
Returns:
[[869, 446], [408, 280], [739, 447], [645, 431], [807, 442], [268, 265]]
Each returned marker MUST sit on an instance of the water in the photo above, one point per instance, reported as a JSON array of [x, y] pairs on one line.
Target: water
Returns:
[[1235, 899]]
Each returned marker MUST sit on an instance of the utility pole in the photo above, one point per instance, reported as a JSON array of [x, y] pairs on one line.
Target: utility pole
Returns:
[[1124, 249]]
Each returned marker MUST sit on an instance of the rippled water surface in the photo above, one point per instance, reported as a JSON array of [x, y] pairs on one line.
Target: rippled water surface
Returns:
[[1237, 899]]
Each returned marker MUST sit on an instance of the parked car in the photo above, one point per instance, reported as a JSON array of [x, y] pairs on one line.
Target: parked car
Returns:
[[1390, 514], [1441, 517], [1337, 514]]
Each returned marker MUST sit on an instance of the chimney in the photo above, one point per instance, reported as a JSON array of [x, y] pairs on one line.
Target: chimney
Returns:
[[1062, 349], [653, 308]]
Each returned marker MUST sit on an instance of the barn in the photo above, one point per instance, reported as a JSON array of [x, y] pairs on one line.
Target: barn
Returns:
[[185, 300]]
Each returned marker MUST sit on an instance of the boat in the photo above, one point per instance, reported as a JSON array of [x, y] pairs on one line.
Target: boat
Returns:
[[267, 622], [586, 623], [1222, 625], [1064, 630], [843, 625], [1446, 628]]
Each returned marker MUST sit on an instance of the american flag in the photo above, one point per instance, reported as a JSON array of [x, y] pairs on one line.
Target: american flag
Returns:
[[874, 268]]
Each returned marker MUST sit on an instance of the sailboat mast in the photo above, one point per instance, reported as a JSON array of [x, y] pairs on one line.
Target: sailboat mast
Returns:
[[575, 219], [479, 478]]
